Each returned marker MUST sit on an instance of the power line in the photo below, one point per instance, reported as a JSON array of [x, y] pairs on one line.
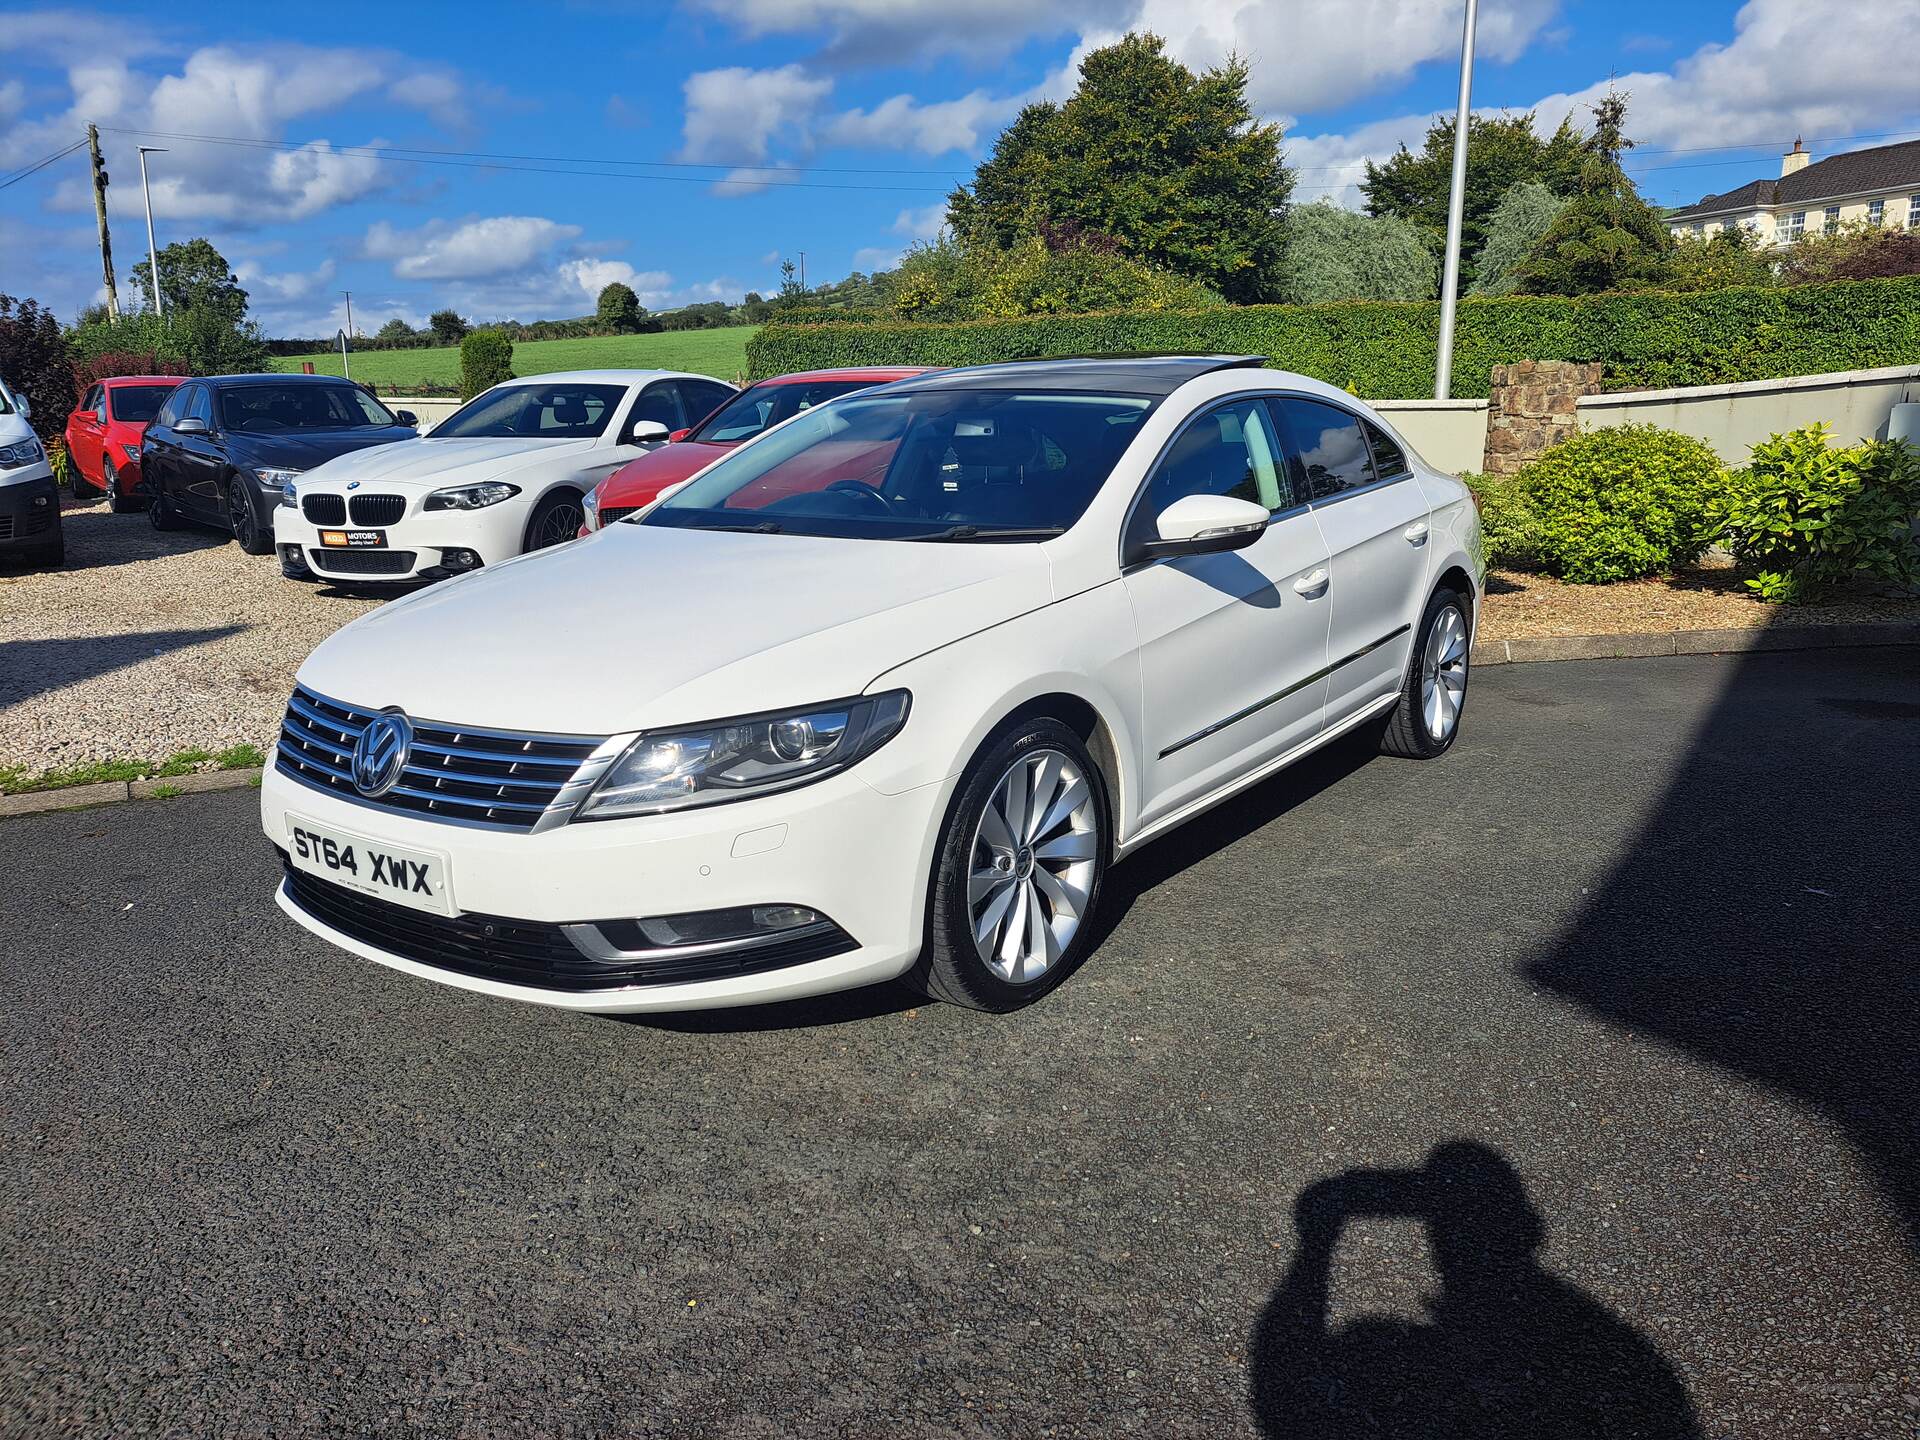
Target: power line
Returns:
[[540, 164], [39, 165]]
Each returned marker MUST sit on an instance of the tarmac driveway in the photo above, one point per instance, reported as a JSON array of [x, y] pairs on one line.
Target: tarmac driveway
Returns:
[[1567, 1087]]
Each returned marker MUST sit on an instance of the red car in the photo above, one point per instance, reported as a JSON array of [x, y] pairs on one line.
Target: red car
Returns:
[[103, 436], [743, 416]]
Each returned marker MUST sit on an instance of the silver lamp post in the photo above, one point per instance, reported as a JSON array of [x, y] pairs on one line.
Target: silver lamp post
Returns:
[[153, 254], [1456, 205]]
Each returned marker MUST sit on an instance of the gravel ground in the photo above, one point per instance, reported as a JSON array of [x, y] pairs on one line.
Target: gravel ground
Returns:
[[1521, 604], [147, 644], [1638, 1064]]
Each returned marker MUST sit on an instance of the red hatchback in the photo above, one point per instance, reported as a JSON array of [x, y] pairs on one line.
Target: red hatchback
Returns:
[[103, 436], [745, 415]]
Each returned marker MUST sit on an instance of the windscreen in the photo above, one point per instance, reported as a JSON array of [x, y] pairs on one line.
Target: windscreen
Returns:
[[936, 464], [764, 406], [275, 409], [137, 403], [558, 411]]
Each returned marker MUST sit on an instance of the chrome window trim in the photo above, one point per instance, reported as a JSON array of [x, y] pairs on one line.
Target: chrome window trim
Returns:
[[1219, 402]]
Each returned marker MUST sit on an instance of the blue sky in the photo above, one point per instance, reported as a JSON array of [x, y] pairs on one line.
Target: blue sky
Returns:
[[704, 140]]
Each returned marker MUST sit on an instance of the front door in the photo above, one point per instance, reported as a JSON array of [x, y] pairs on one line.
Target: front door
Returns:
[[1375, 525], [1232, 645]]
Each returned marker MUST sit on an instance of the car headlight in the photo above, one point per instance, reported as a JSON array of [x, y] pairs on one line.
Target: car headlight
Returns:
[[590, 507], [289, 497], [471, 497], [741, 759], [133, 452], [25, 452]]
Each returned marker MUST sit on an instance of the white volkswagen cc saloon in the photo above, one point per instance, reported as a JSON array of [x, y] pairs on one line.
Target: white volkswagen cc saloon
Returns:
[[881, 694], [505, 473]]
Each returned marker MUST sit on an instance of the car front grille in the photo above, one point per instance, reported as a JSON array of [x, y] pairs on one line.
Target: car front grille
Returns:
[[377, 509], [30, 522], [616, 512], [504, 779], [325, 509], [361, 562], [527, 952]]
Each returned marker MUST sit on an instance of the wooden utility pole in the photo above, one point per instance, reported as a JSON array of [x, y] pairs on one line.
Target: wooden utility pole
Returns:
[[100, 214]]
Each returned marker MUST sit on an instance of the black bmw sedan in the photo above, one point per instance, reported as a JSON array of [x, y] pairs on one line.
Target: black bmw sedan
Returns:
[[221, 449]]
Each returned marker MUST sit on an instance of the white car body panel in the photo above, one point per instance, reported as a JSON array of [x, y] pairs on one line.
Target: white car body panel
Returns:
[[1202, 675], [415, 468]]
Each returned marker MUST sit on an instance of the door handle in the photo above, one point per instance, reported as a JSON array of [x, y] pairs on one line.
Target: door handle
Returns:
[[1416, 533], [1311, 586]]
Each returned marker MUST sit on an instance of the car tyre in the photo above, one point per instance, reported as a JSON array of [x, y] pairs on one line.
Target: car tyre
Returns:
[[555, 520], [1016, 879], [117, 503], [77, 482], [248, 533], [160, 513], [1426, 721]]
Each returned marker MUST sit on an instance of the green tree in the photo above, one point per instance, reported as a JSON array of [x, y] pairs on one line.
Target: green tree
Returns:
[[194, 276], [1524, 214], [792, 292], [397, 333], [448, 327], [1732, 256], [1171, 164], [1502, 151], [1339, 254], [619, 309], [486, 358], [1857, 251], [1607, 238]]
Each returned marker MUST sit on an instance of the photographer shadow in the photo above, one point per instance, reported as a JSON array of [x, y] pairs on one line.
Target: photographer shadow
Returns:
[[1507, 1350]]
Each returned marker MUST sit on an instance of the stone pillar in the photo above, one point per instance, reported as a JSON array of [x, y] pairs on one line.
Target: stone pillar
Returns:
[[1530, 407]]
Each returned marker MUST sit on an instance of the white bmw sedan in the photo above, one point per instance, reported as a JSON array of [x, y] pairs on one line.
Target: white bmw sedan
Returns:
[[503, 474], [881, 694]]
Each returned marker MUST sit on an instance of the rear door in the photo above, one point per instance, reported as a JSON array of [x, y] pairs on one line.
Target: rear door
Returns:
[[1375, 523], [1232, 645]]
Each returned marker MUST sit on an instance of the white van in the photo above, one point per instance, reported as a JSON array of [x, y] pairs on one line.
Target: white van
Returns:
[[29, 504]]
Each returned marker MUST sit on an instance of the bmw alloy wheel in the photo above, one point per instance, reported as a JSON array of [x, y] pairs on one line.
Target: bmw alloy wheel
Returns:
[[1443, 673], [1032, 866]]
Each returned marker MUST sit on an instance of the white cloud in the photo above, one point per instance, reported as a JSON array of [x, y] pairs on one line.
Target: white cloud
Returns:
[[922, 224], [876, 257], [443, 250], [903, 123], [1792, 66], [283, 286], [13, 99], [733, 115], [593, 276], [317, 177]]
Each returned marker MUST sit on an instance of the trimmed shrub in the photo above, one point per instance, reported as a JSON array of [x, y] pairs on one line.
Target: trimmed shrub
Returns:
[[1809, 517], [486, 358], [1384, 350], [1622, 502], [1508, 526]]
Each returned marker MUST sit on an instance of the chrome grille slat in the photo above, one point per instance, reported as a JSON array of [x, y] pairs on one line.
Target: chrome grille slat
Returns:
[[498, 778]]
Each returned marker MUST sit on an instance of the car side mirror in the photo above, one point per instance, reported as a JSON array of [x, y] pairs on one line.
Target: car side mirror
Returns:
[[1205, 525], [406, 417], [188, 425], [647, 432], [678, 435]]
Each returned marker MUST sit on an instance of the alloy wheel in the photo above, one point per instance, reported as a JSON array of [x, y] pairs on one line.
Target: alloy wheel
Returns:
[[560, 523], [1031, 868], [240, 513], [1443, 673]]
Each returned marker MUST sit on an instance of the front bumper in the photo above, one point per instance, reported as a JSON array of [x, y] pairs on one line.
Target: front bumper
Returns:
[[421, 544], [838, 847], [29, 509]]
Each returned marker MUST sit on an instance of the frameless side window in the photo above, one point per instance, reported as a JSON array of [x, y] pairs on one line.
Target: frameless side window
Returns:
[[1389, 459], [1329, 446], [657, 402], [1231, 450], [700, 398], [199, 405]]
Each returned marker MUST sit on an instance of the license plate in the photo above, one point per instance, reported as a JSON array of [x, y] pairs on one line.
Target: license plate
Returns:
[[417, 878], [354, 539]]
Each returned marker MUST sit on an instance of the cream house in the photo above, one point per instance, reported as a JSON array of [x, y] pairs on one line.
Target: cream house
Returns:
[[1880, 186]]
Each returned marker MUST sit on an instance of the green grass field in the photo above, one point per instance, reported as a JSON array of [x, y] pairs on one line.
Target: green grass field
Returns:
[[720, 353]]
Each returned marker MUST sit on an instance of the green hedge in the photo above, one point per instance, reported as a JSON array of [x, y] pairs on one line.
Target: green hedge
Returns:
[[1384, 351]]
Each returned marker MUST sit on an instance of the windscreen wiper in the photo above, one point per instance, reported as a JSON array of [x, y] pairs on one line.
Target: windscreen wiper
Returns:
[[765, 527], [992, 532]]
